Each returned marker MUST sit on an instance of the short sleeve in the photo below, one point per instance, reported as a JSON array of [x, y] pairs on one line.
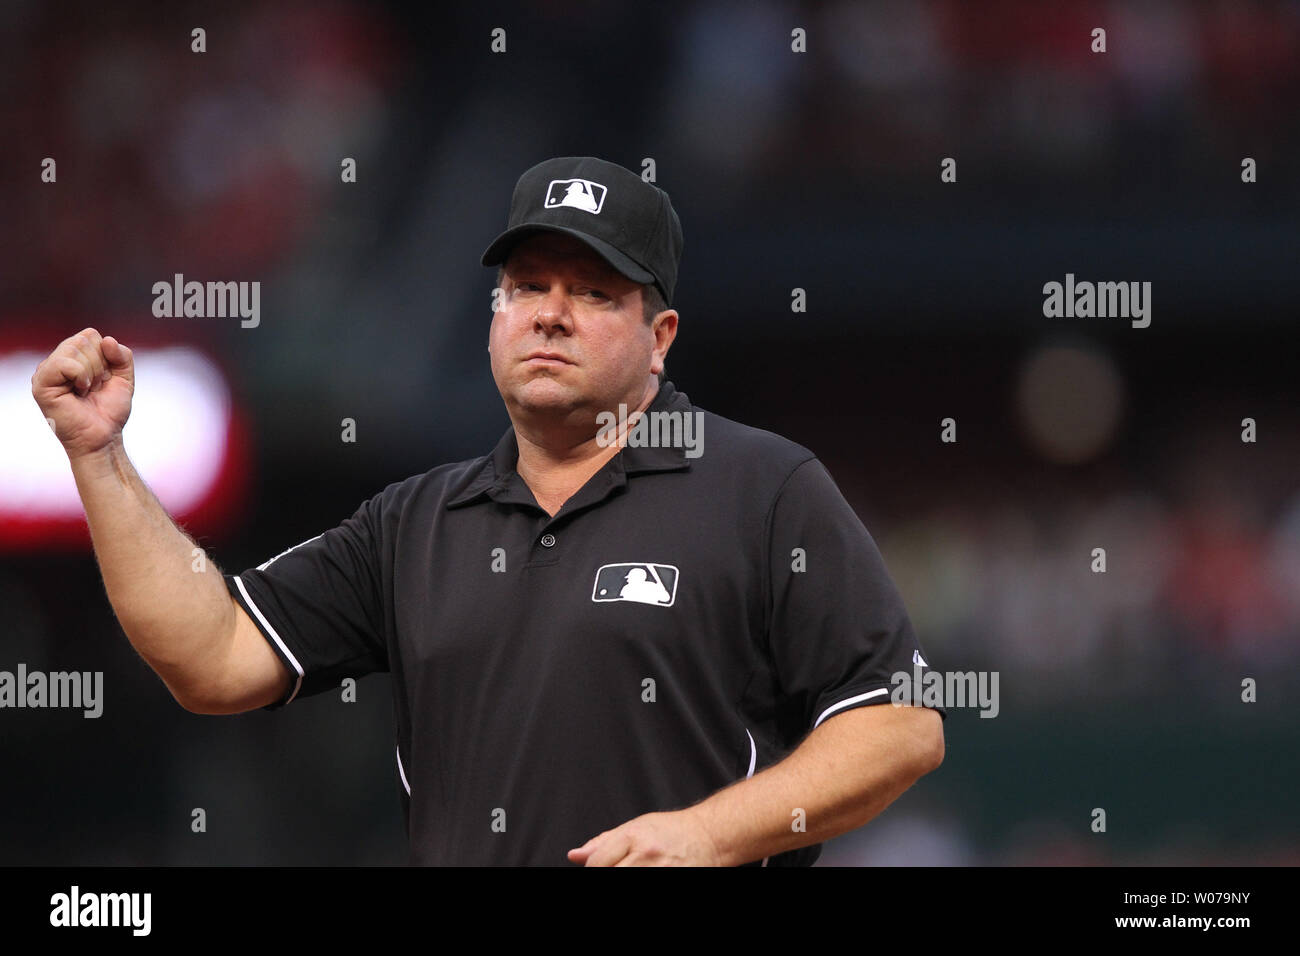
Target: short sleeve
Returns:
[[319, 604], [838, 629]]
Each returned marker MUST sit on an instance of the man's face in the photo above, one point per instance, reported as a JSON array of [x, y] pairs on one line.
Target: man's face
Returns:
[[560, 297]]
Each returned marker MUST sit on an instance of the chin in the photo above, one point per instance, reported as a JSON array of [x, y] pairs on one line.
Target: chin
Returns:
[[542, 391]]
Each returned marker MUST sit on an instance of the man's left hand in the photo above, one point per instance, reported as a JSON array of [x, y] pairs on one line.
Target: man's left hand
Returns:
[[675, 838]]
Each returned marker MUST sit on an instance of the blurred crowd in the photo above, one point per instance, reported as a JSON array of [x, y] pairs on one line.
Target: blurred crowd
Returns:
[[1206, 590], [221, 162]]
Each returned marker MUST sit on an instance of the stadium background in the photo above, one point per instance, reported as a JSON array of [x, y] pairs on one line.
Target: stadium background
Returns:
[[816, 170]]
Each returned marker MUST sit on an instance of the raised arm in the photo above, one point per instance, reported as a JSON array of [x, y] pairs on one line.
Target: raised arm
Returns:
[[182, 621]]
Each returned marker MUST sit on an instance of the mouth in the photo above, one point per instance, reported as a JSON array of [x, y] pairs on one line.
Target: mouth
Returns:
[[548, 358]]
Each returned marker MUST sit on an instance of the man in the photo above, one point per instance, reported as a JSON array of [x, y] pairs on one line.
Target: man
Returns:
[[607, 647]]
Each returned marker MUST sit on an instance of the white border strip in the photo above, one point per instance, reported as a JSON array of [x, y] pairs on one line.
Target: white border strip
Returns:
[[402, 770], [850, 701], [753, 758], [276, 637]]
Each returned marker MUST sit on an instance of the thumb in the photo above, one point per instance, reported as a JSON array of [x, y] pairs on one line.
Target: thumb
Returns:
[[114, 351]]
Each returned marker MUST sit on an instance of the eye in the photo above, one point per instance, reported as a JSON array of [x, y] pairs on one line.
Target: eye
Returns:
[[597, 293]]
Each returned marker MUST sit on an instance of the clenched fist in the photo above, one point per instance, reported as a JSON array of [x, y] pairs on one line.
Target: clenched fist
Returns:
[[84, 387]]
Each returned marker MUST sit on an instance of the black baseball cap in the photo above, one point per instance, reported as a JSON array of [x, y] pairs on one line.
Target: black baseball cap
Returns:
[[631, 223]]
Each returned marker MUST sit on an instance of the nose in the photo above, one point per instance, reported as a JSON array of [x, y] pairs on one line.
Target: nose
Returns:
[[553, 313]]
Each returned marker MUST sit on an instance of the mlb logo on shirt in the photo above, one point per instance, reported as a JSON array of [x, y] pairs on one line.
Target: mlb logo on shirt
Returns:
[[643, 583], [577, 193]]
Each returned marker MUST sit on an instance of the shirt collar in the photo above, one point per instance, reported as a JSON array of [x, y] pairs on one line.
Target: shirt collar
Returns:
[[497, 479]]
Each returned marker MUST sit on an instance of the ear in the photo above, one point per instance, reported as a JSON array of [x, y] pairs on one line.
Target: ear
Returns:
[[665, 331]]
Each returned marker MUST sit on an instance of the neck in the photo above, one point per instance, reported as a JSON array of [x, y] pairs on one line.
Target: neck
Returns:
[[555, 462]]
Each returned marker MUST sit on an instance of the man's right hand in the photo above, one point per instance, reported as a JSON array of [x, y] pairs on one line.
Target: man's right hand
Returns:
[[84, 389]]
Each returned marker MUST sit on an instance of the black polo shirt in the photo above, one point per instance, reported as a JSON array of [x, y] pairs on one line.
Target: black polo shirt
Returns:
[[681, 623]]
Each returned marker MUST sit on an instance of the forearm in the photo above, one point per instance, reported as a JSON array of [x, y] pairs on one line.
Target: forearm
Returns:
[[845, 772], [175, 609]]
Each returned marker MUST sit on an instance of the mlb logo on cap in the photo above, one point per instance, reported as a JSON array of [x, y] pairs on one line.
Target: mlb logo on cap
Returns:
[[644, 583], [577, 193]]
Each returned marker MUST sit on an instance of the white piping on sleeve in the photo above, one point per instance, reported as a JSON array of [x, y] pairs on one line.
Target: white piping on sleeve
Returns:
[[402, 770], [753, 758], [850, 701], [266, 564], [274, 636]]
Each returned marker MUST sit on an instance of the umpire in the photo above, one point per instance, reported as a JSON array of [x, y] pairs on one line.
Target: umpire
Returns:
[[634, 633]]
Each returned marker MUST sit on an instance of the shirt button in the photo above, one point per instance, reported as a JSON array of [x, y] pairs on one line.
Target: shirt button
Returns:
[[548, 541]]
